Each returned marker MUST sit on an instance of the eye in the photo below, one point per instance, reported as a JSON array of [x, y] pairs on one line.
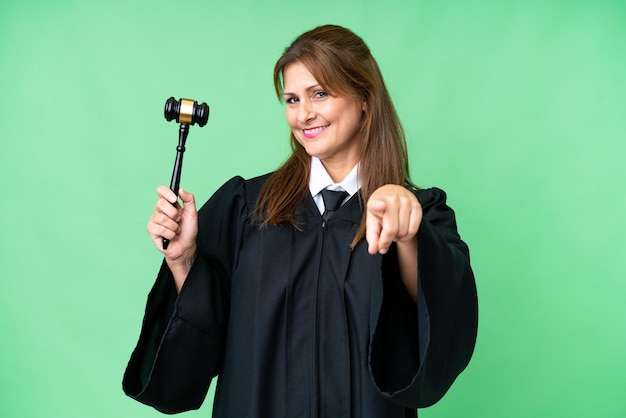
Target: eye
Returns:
[[291, 100], [320, 94]]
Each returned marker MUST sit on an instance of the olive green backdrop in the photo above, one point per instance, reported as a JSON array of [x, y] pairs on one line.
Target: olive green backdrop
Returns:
[[515, 108]]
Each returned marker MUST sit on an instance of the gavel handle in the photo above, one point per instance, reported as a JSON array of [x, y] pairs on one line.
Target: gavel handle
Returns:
[[178, 166]]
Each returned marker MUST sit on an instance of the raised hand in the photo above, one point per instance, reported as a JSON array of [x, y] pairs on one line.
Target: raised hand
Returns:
[[179, 224]]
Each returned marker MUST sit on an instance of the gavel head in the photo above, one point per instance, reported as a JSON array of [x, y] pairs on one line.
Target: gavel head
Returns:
[[186, 111]]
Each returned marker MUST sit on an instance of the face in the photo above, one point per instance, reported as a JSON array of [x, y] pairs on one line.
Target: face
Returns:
[[326, 126]]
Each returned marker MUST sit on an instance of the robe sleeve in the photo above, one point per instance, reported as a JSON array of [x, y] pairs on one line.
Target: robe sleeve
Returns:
[[417, 352], [181, 343]]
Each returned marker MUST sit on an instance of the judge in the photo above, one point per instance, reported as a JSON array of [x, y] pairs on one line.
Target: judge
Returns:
[[332, 287]]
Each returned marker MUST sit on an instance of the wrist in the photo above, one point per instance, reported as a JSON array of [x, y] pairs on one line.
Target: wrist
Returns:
[[181, 265]]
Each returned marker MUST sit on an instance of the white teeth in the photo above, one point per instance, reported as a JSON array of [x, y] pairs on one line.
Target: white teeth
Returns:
[[312, 131]]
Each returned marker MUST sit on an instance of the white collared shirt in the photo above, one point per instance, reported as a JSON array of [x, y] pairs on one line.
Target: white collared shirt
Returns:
[[319, 180]]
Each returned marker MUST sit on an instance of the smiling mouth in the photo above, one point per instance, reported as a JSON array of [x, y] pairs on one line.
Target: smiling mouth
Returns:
[[313, 132]]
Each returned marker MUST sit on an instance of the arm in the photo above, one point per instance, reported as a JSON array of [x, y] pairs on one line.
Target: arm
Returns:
[[181, 343], [180, 226], [416, 354], [394, 215]]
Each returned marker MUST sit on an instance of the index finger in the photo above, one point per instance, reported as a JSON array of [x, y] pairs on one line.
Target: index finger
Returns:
[[374, 223], [373, 227]]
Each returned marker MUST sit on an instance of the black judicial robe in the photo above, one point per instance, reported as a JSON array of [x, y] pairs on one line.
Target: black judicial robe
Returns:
[[296, 324]]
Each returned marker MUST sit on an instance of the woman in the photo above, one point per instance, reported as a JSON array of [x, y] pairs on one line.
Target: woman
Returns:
[[363, 309]]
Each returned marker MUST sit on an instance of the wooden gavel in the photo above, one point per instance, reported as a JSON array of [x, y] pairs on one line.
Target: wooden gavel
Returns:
[[186, 112]]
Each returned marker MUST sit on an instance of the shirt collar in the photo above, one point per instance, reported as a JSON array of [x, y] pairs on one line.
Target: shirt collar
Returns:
[[320, 179]]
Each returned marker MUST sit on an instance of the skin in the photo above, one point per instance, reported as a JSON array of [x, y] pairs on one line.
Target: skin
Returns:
[[327, 127], [179, 224]]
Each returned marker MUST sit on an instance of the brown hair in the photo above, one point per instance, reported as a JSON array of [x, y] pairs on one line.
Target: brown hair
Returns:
[[342, 63]]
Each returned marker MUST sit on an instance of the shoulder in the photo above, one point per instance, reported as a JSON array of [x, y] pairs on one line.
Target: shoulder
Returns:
[[239, 189], [437, 212], [253, 186], [435, 206], [238, 185], [430, 196], [234, 199]]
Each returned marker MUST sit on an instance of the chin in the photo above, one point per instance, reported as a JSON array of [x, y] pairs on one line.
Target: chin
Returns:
[[315, 153]]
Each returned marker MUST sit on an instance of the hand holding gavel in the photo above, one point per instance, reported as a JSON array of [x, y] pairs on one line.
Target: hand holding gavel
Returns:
[[186, 112]]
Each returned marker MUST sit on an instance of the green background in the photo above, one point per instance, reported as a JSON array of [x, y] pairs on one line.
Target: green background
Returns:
[[515, 108]]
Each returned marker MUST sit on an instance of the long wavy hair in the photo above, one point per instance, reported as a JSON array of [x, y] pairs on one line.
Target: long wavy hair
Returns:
[[342, 64]]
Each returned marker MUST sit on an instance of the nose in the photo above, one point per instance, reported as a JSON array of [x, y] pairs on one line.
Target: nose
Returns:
[[306, 113]]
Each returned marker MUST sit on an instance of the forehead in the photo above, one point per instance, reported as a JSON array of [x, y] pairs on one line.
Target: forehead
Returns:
[[297, 76]]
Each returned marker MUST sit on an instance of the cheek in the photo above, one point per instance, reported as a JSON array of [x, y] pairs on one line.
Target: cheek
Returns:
[[290, 116]]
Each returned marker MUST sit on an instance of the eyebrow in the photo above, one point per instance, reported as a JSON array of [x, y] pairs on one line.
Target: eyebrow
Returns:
[[313, 87]]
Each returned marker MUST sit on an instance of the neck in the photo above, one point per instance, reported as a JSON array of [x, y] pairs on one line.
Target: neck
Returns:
[[338, 170]]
